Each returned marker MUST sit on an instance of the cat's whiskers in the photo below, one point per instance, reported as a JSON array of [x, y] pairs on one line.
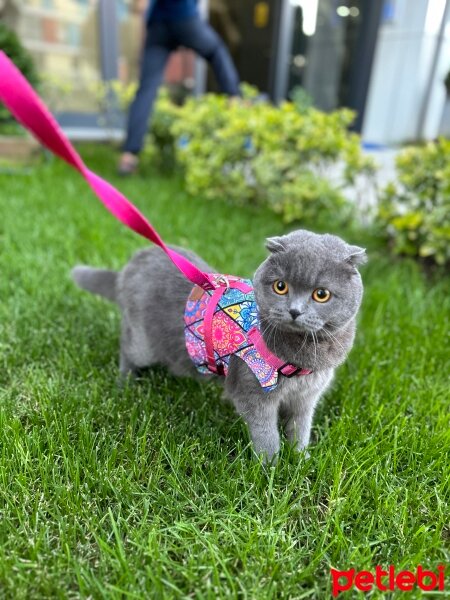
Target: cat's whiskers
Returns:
[[276, 331], [301, 347], [265, 328], [273, 327], [269, 329], [269, 332], [333, 338], [315, 345], [336, 329]]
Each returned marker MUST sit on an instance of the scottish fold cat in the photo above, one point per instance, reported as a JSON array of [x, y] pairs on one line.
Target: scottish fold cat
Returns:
[[307, 291]]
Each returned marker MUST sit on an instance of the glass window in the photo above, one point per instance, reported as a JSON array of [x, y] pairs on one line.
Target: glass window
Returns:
[[131, 30], [62, 36], [325, 38], [248, 29]]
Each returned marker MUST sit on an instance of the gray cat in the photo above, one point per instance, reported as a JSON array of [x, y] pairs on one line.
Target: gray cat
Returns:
[[308, 292]]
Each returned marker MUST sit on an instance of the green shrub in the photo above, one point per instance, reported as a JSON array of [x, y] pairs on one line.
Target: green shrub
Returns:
[[13, 48], [301, 99], [161, 149], [415, 212], [250, 151]]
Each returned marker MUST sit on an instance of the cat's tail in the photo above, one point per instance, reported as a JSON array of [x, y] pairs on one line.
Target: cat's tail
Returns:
[[97, 281]]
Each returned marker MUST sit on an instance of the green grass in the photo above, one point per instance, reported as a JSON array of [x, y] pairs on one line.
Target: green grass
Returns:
[[151, 491]]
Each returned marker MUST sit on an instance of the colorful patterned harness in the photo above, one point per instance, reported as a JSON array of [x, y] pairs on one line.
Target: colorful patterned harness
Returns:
[[223, 322]]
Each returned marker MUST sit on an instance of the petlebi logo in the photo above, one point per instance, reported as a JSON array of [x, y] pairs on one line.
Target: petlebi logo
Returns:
[[388, 580]]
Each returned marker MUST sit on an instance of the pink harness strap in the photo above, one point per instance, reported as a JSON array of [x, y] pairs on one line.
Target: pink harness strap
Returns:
[[286, 369], [26, 106], [207, 329]]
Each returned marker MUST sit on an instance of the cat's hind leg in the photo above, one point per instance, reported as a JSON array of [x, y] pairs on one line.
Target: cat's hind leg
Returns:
[[135, 351], [126, 367]]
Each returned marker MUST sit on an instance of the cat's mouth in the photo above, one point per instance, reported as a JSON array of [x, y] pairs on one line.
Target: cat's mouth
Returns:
[[297, 327], [280, 322]]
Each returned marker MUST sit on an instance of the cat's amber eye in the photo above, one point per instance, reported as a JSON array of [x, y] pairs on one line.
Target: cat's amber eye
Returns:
[[321, 295], [280, 287]]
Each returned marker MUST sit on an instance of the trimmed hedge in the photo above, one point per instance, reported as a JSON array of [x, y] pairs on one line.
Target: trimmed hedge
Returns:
[[249, 151], [415, 212]]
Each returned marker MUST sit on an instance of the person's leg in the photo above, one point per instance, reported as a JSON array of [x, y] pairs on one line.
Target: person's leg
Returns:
[[201, 37], [154, 60]]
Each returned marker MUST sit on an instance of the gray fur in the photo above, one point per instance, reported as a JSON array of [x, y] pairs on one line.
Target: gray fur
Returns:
[[97, 281], [152, 294]]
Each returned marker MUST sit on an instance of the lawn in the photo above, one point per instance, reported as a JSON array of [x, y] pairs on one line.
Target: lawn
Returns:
[[151, 491]]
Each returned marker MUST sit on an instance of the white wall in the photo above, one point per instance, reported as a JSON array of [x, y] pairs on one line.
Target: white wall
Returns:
[[433, 117], [401, 74]]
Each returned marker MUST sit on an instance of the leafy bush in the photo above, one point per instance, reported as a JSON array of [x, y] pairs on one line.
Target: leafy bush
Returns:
[[161, 149], [115, 90], [249, 151], [415, 213], [300, 97], [13, 48]]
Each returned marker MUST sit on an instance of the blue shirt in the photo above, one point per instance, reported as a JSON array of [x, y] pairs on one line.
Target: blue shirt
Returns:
[[171, 10]]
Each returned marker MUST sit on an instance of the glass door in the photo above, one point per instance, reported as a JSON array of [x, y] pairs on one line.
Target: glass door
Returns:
[[332, 48], [62, 36]]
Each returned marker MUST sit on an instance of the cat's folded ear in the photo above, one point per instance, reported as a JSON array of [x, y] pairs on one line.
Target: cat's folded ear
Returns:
[[275, 244], [356, 256]]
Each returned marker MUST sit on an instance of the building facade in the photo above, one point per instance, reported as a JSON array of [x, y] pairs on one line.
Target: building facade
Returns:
[[77, 45], [387, 59], [407, 95]]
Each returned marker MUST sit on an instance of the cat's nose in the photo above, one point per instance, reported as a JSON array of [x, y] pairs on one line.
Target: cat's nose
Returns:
[[294, 313]]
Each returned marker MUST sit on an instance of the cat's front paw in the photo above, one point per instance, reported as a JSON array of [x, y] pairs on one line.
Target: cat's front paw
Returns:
[[303, 452], [268, 453], [301, 448]]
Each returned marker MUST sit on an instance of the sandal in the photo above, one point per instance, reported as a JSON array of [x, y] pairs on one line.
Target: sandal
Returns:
[[128, 164]]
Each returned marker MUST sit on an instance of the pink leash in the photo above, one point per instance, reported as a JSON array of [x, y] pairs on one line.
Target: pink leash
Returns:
[[26, 106]]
